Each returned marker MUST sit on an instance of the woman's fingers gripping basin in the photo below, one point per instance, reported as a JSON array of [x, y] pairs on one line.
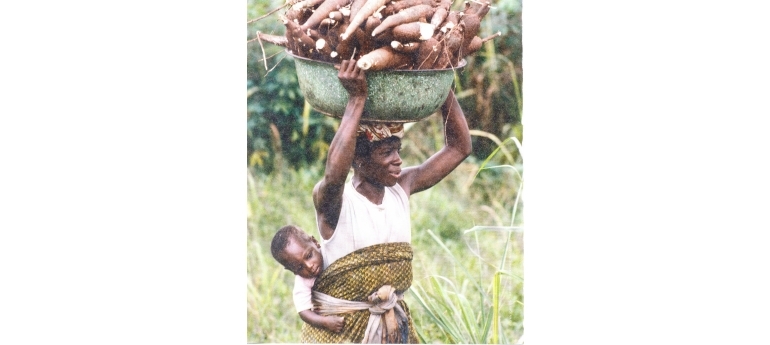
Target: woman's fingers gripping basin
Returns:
[[352, 78]]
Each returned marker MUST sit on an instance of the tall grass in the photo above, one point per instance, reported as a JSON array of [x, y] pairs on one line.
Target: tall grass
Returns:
[[467, 241], [478, 299], [273, 201]]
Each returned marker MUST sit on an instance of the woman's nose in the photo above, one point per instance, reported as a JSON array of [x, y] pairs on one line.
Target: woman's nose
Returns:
[[397, 161]]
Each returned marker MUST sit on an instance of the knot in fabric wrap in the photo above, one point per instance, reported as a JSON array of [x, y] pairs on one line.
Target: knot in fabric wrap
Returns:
[[390, 328], [383, 300], [388, 322], [375, 131]]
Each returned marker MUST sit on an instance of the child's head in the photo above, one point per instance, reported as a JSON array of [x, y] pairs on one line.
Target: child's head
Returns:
[[297, 251]]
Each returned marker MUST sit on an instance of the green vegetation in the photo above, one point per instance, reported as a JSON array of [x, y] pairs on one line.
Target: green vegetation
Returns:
[[468, 272]]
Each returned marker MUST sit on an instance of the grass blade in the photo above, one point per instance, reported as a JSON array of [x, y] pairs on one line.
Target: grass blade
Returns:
[[306, 118], [496, 309], [454, 260], [433, 312]]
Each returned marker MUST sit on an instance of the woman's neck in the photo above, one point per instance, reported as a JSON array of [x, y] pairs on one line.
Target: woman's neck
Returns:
[[374, 192]]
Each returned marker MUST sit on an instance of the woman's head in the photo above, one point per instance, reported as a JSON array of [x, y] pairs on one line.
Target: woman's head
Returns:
[[378, 162], [297, 251]]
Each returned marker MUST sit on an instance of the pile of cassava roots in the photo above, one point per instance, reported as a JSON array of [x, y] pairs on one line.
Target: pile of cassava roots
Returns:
[[383, 34]]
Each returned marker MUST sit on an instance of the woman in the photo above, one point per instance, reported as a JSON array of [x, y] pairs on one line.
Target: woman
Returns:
[[365, 224]]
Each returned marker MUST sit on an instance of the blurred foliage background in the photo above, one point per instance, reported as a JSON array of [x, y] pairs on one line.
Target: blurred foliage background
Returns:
[[466, 231]]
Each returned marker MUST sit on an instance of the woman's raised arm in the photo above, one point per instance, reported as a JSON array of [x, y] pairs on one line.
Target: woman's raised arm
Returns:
[[457, 147], [327, 194]]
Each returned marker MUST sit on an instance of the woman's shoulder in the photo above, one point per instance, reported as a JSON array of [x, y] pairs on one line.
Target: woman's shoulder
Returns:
[[399, 191]]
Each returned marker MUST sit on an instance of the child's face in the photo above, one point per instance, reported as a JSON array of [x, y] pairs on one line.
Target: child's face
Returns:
[[303, 258]]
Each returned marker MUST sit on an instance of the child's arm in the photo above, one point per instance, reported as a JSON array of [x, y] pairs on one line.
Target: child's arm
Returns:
[[329, 322], [302, 301]]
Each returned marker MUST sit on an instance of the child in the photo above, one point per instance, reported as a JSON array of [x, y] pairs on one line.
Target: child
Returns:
[[300, 253]]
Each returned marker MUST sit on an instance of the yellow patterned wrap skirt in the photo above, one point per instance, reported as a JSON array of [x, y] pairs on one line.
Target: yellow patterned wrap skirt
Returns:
[[357, 276]]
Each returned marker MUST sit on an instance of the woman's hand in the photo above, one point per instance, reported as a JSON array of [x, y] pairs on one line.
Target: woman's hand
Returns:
[[352, 79]]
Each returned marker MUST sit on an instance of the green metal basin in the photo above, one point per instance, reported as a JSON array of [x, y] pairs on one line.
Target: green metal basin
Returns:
[[394, 95]]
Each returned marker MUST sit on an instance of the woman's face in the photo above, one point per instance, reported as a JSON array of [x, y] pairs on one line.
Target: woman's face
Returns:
[[384, 164]]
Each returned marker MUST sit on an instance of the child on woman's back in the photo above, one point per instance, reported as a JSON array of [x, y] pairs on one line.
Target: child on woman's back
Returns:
[[300, 253]]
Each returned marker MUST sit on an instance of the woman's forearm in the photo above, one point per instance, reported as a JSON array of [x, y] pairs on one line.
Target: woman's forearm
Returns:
[[455, 126], [342, 147]]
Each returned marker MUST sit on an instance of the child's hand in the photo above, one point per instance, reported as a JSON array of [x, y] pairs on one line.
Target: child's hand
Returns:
[[334, 323]]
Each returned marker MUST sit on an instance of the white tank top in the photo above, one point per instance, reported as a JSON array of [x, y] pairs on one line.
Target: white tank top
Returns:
[[362, 223]]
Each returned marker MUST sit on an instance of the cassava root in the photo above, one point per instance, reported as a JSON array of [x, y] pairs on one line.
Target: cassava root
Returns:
[[384, 34]]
